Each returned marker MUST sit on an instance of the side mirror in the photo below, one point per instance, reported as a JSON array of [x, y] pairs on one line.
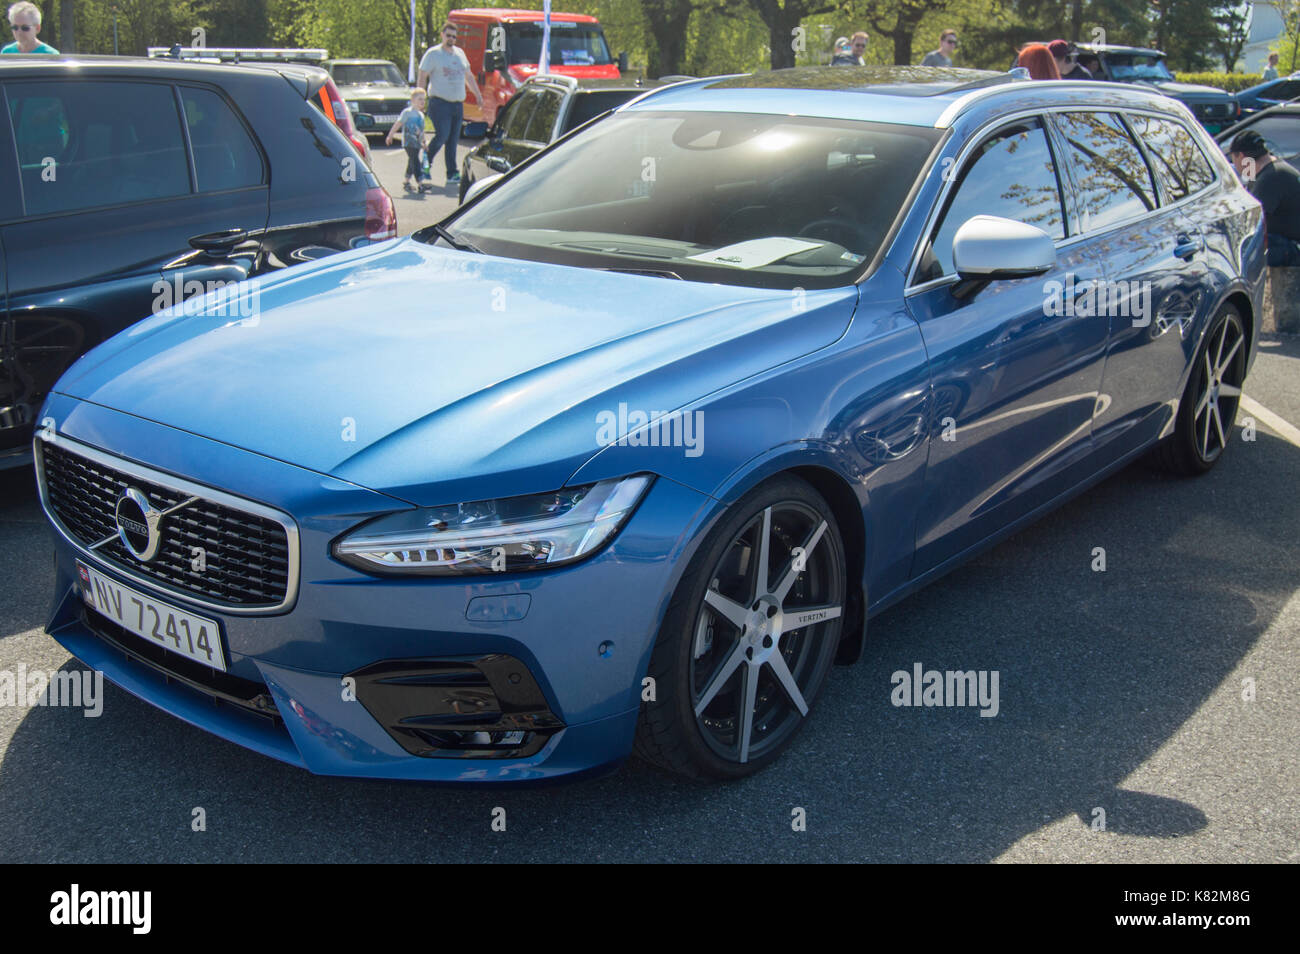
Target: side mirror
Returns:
[[479, 186], [494, 61], [987, 249], [364, 122], [622, 63]]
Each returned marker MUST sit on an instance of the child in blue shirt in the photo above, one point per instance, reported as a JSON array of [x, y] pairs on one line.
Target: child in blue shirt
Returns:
[[411, 123]]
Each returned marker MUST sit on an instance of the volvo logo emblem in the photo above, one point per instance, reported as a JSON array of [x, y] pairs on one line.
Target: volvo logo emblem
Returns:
[[137, 524]]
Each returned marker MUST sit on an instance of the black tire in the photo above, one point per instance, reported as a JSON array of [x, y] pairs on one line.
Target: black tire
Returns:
[[795, 618], [1209, 404]]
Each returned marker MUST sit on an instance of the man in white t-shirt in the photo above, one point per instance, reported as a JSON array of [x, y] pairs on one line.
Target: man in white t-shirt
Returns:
[[444, 70]]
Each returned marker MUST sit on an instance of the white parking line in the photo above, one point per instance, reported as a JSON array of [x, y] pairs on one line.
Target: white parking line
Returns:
[[1283, 427]]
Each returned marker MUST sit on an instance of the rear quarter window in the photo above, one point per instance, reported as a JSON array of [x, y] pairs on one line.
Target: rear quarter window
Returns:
[[225, 156], [590, 105]]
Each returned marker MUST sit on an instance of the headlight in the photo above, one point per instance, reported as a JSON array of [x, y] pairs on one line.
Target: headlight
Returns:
[[505, 535], [354, 107]]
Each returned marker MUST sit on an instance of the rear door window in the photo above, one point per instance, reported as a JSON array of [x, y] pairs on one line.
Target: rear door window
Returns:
[[1281, 134], [225, 156], [542, 123], [1112, 178], [1179, 163], [85, 145], [519, 113], [1287, 89]]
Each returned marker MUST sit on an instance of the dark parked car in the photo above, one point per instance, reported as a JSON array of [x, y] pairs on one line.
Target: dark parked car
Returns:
[[313, 79], [135, 184], [1270, 93], [1280, 127], [1213, 108], [375, 91], [544, 109]]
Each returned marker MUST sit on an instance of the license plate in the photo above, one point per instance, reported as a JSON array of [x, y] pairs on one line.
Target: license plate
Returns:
[[387, 118], [194, 637]]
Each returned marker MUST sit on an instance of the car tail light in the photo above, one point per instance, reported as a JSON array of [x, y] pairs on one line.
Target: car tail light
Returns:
[[337, 109], [381, 215]]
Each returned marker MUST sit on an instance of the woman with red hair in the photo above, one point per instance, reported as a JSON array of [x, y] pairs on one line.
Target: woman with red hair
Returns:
[[1037, 58]]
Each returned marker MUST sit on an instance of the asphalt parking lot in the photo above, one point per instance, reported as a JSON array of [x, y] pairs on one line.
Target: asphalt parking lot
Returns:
[[415, 211], [1120, 690]]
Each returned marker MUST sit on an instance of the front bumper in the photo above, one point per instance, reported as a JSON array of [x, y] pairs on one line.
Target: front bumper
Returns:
[[578, 638]]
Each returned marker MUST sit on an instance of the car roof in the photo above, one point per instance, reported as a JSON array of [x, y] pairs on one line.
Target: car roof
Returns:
[[909, 95], [1281, 109], [353, 61], [144, 66], [485, 13], [583, 84], [1099, 48]]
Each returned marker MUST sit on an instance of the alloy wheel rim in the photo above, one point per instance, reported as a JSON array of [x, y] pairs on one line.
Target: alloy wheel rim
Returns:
[[759, 634], [1220, 391]]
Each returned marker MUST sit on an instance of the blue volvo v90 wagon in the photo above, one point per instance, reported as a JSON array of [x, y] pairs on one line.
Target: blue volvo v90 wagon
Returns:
[[624, 454]]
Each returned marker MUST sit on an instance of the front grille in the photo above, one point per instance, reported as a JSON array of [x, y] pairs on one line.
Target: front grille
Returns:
[[1212, 110], [380, 106], [245, 559]]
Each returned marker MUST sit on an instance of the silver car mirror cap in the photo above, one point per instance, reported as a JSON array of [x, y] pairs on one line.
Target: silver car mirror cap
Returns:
[[479, 185], [988, 248]]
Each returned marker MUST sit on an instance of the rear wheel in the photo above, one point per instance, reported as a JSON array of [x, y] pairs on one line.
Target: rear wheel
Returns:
[[1209, 405], [748, 638]]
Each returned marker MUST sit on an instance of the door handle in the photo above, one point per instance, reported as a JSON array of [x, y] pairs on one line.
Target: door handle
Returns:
[[1188, 245], [215, 243]]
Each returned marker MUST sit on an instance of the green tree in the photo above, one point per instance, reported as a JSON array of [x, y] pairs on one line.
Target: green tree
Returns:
[[1233, 23], [1288, 44], [898, 20]]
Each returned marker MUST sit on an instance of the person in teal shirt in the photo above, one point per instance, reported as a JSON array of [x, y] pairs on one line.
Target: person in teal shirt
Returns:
[[25, 24], [1271, 72]]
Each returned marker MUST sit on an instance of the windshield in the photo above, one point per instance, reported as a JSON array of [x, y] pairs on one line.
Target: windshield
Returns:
[[736, 198], [367, 74], [1137, 67], [572, 44]]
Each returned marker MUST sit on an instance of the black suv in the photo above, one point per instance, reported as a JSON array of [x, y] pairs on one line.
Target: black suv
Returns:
[[544, 109], [1214, 108], [135, 184]]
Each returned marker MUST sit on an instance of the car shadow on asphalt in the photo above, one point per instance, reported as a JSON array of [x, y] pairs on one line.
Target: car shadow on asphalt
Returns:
[[1097, 671]]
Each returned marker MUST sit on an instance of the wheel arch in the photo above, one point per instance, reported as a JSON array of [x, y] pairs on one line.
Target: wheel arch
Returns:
[[820, 470]]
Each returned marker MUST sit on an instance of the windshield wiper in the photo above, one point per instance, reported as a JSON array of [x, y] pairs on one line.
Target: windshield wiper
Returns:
[[454, 242]]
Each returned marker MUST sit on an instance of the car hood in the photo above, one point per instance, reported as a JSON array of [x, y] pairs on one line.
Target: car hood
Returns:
[[1190, 90], [399, 93], [428, 373]]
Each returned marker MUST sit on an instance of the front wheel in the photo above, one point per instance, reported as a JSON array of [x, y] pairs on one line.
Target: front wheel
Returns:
[[748, 638], [1209, 405]]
